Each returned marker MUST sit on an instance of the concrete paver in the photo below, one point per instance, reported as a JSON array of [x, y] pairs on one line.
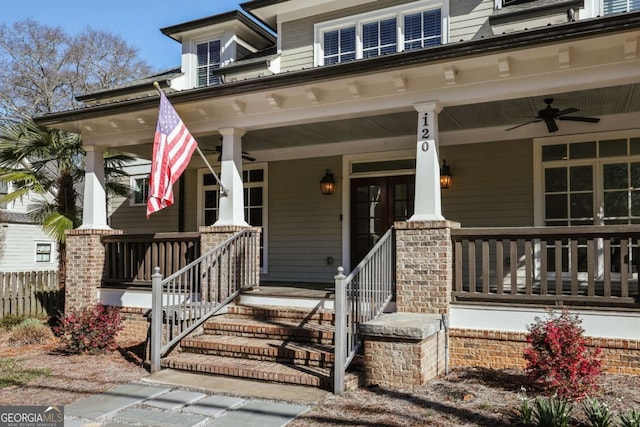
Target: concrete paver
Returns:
[[213, 406], [175, 399], [261, 413], [159, 418], [104, 405]]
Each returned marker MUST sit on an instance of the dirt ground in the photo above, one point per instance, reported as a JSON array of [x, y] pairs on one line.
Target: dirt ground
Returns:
[[473, 397]]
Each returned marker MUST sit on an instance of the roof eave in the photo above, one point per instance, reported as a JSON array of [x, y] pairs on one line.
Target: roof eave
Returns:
[[489, 45]]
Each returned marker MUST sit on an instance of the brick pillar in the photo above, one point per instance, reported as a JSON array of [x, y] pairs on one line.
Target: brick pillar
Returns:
[[85, 266], [213, 235], [424, 266]]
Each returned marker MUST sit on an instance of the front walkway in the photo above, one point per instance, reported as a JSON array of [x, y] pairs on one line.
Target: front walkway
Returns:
[[185, 400]]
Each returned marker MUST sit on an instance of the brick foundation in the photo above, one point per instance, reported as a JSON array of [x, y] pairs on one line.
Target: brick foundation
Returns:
[[424, 266], [136, 325], [85, 267], [501, 350]]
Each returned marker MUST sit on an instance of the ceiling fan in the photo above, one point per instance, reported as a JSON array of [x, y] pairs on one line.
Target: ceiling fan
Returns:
[[550, 114]]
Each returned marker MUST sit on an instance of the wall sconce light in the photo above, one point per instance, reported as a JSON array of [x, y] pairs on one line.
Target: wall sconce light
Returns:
[[327, 183], [445, 175]]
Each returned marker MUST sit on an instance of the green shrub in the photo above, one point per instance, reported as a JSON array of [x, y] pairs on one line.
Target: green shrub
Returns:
[[91, 330], [629, 419], [30, 331], [598, 413], [10, 320], [552, 412]]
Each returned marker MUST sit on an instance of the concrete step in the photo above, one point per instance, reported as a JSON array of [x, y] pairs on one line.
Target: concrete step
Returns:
[[272, 350], [275, 313], [280, 330], [253, 369]]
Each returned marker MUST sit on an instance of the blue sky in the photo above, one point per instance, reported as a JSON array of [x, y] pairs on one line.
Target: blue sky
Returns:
[[137, 21]]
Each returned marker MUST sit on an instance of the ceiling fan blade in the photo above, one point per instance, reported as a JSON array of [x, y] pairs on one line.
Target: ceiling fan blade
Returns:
[[551, 125], [580, 119], [524, 124], [248, 157], [567, 111]]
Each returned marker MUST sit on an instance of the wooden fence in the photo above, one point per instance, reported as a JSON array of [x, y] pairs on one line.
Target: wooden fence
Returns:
[[30, 293]]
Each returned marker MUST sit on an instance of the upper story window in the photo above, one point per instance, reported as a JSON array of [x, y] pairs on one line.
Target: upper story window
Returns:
[[391, 30], [208, 54], [619, 6]]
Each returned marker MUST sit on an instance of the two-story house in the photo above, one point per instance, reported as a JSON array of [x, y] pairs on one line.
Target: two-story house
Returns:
[[329, 121]]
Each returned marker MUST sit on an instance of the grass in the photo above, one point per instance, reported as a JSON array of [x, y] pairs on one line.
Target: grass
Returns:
[[13, 374]]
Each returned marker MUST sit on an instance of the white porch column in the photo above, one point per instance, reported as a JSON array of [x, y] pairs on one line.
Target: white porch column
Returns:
[[427, 196], [232, 205], [94, 213]]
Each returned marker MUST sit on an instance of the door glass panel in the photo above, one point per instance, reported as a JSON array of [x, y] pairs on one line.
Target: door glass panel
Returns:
[[614, 147], [615, 176], [582, 205], [556, 206], [582, 150], [616, 204], [581, 178], [554, 152], [555, 179]]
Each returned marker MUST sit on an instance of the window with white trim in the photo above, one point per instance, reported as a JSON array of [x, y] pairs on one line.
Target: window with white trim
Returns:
[[43, 252], [4, 190], [385, 31], [208, 55], [254, 178], [610, 7], [139, 190], [594, 182]]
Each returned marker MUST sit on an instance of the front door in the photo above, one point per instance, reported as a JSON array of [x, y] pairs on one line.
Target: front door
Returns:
[[376, 203]]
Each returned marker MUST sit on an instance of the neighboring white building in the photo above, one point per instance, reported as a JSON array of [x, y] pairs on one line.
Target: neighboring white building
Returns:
[[24, 246]]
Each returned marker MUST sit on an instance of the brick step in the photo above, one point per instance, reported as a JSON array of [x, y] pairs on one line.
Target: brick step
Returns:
[[280, 330], [320, 316], [253, 369], [261, 349]]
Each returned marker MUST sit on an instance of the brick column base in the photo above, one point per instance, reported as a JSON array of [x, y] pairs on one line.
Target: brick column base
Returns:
[[424, 266], [85, 267], [403, 350]]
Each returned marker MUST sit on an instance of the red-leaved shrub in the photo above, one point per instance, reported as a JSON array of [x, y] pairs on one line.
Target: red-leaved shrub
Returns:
[[90, 330], [558, 358]]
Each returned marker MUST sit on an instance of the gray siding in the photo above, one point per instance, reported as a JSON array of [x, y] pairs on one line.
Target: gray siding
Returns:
[[469, 19], [492, 184], [304, 225], [297, 36]]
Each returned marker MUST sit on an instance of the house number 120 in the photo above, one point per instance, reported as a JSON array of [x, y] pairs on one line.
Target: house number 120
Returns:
[[425, 132]]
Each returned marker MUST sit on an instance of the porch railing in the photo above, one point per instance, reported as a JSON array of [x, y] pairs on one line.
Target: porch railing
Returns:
[[188, 297], [585, 265], [359, 297], [130, 259]]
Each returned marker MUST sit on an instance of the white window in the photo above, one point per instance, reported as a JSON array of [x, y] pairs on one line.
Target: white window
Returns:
[[407, 27], [254, 178], [4, 190], [43, 252], [208, 55], [139, 190], [618, 6]]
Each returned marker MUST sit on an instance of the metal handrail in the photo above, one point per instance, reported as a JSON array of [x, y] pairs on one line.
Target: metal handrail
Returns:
[[187, 298], [362, 296]]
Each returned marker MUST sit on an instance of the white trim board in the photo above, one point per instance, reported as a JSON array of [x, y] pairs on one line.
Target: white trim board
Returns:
[[601, 324]]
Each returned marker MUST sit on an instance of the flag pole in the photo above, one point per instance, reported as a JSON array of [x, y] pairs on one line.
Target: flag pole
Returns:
[[223, 191]]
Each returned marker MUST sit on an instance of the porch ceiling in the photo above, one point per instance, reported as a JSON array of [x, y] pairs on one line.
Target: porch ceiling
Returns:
[[505, 113], [497, 114]]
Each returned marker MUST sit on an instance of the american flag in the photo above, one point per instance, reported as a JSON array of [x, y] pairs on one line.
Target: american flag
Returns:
[[173, 146]]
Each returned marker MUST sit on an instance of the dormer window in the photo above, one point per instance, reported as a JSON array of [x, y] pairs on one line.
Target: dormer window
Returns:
[[208, 61], [385, 31]]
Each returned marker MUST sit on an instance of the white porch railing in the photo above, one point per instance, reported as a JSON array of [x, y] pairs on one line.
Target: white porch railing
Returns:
[[187, 298], [360, 297]]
